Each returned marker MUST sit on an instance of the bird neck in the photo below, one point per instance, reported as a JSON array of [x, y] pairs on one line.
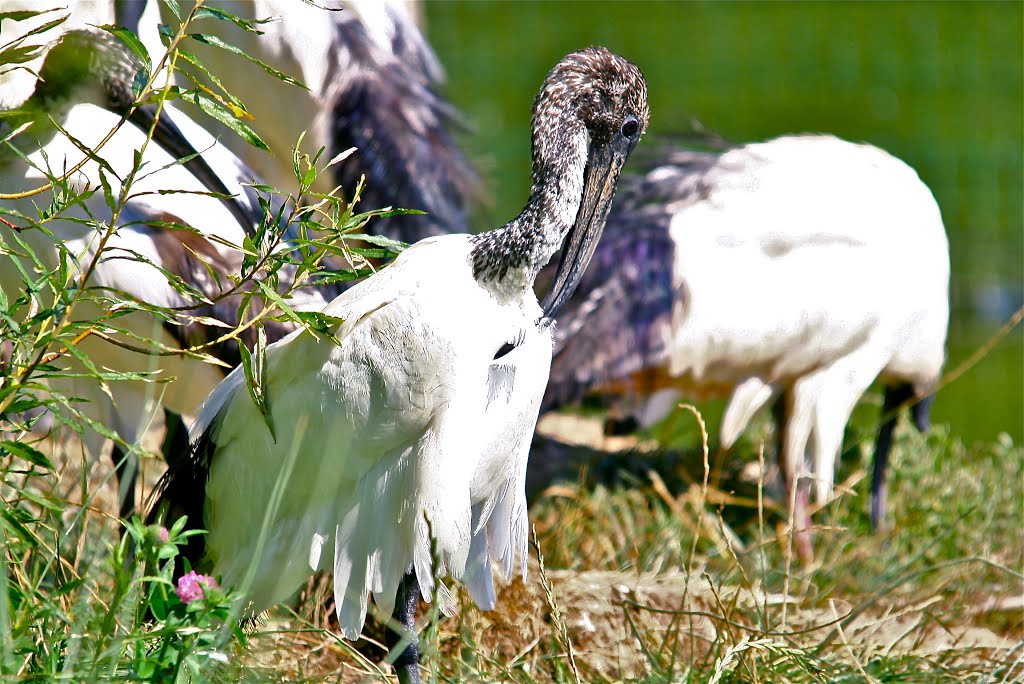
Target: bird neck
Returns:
[[84, 67], [507, 260]]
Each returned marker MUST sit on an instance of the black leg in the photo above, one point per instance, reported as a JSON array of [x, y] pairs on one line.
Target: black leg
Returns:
[[922, 413], [895, 396], [617, 427], [407, 663], [126, 468]]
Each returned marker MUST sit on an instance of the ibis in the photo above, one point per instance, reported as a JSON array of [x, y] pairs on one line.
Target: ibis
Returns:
[[82, 94], [796, 270], [402, 446]]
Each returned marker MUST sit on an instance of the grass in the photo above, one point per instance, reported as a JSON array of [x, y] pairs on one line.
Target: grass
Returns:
[[647, 578]]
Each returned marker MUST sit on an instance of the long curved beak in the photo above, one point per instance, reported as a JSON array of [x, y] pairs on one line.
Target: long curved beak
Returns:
[[599, 180], [169, 136]]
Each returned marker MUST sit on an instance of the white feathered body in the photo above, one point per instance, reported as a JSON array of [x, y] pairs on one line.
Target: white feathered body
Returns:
[[407, 430], [813, 264]]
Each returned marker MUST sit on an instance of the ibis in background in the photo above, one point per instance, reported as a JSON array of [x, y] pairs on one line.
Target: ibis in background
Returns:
[[412, 432], [796, 270], [85, 88], [373, 84]]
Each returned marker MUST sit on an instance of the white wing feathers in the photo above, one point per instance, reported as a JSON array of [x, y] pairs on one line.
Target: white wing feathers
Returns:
[[399, 452]]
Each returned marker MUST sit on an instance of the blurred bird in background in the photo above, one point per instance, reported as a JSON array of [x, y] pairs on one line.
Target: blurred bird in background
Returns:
[[371, 82], [794, 271]]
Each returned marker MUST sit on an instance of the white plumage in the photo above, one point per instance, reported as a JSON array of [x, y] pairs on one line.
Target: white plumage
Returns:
[[337, 53], [409, 420], [415, 429], [820, 267]]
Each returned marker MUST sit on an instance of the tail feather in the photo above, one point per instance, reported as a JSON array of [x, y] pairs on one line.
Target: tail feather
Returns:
[[182, 492]]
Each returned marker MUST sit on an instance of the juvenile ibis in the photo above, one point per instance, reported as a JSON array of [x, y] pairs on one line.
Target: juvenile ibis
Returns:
[[413, 431], [797, 270]]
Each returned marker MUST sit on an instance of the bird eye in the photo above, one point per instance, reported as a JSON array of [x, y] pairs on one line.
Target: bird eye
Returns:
[[630, 126]]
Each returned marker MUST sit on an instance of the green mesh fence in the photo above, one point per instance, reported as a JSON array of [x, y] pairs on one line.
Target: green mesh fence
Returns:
[[937, 84]]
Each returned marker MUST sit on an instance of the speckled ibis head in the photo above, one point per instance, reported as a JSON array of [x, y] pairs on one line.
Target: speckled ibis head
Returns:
[[598, 100]]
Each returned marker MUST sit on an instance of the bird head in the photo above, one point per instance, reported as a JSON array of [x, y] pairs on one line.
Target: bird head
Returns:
[[599, 100]]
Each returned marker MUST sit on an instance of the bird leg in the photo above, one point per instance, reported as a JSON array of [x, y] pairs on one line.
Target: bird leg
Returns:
[[895, 396], [126, 469], [797, 489], [803, 536], [403, 628], [126, 465]]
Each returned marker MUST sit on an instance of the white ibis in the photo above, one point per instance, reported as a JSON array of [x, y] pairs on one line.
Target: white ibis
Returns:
[[85, 86], [799, 269], [373, 84], [414, 430]]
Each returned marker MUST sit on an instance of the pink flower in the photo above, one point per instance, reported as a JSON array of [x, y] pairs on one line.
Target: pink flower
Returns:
[[191, 585], [163, 535]]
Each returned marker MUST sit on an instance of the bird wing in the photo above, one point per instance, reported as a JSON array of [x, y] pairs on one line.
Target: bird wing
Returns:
[[615, 329], [774, 254], [385, 444], [616, 326], [386, 102]]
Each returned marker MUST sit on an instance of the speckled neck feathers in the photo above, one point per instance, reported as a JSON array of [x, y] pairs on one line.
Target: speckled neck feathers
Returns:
[[571, 112]]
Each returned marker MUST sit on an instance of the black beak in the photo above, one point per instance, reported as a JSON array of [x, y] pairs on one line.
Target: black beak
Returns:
[[169, 136], [599, 180]]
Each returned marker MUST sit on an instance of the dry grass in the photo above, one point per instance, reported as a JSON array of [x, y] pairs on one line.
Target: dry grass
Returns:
[[658, 578]]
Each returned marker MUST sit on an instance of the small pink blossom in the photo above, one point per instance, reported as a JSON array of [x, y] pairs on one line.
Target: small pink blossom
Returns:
[[191, 586], [163, 535]]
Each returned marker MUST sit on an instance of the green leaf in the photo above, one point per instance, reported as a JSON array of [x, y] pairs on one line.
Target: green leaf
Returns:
[[108, 194], [26, 453], [132, 41], [222, 114], [194, 61], [173, 6], [22, 15], [19, 54], [370, 253], [273, 296], [42, 28], [254, 365], [218, 13], [324, 324], [213, 40], [142, 77], [329, 277], [395, 246]]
